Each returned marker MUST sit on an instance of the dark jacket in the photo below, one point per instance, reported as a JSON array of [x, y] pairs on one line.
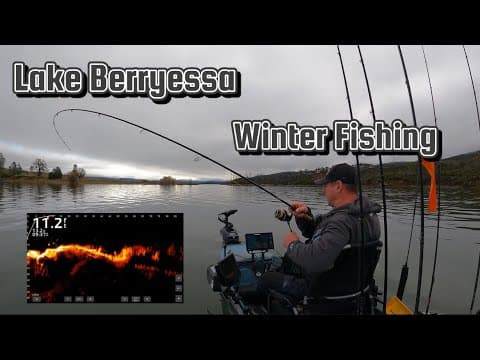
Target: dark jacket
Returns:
[[330, 233]]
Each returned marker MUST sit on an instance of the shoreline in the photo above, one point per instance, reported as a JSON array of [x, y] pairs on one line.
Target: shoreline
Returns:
[[86, 181]]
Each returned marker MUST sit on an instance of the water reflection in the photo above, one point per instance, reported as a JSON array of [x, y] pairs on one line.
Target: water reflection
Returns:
[[40, 192], [77, 191], [1, 196], [15, 189], [55, 188], [168, 189]]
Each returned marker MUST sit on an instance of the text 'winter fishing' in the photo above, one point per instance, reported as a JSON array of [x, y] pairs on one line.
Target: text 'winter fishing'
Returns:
[[263, 137]]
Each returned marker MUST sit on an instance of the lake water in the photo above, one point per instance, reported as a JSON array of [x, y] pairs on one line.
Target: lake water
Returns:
[[456, 267]]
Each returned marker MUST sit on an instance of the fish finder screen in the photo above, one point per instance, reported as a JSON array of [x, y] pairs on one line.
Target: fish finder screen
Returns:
[[228, 271], [105, 258], [259, 241]]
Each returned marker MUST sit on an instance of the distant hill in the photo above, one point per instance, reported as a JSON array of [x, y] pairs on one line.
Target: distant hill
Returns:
[[460, 170]]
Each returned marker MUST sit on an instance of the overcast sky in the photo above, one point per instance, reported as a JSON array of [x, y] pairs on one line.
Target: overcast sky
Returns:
[[280, 83]]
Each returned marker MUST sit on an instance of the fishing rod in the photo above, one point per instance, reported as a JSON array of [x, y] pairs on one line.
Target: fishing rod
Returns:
[[360, 253], [171, 140], [478, 117], [404, 273], [382, 181], [476, 284], [438, 187], [473, 84], [422, 209]]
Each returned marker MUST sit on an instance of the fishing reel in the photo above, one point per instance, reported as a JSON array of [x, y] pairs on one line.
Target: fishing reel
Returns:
[[283, 215]]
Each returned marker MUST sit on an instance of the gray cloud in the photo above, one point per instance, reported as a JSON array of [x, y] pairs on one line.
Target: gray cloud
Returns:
[[281, 83]]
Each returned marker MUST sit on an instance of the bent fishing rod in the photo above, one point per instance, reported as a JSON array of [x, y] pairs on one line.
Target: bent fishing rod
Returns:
[[422, 209], [404, 274], [438, 187], [360, 253], [171, 140], [476, 284], [382, 182], [478, 117]]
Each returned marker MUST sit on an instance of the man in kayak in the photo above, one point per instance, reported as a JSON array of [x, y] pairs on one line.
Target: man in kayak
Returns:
[[328, 235]]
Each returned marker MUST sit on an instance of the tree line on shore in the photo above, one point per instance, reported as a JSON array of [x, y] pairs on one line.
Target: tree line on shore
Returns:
[[461, 170], [39, 168]]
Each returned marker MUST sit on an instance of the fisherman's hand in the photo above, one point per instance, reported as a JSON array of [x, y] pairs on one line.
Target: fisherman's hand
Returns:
[[298, 209], [289, 238]]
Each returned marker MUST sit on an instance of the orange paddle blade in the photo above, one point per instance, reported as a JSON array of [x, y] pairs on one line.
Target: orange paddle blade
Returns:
[[432, 198]]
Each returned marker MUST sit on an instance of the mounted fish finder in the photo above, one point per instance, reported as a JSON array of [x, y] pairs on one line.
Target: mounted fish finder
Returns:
[[259, 242]]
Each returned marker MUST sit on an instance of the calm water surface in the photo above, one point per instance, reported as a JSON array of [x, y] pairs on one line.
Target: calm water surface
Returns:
[[456, 267]]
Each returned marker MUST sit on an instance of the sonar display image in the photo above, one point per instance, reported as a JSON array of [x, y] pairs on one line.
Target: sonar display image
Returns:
[[105, 258]]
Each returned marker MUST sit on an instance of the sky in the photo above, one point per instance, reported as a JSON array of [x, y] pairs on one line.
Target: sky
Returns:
[[280, 83]]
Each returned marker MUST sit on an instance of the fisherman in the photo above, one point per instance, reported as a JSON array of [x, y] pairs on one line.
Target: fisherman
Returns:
[[305, 262]]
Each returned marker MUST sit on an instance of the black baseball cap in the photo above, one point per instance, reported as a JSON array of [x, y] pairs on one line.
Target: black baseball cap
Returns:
[[344, 172]]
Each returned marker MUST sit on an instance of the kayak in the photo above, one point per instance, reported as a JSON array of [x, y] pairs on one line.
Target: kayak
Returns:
[[241, 263]]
